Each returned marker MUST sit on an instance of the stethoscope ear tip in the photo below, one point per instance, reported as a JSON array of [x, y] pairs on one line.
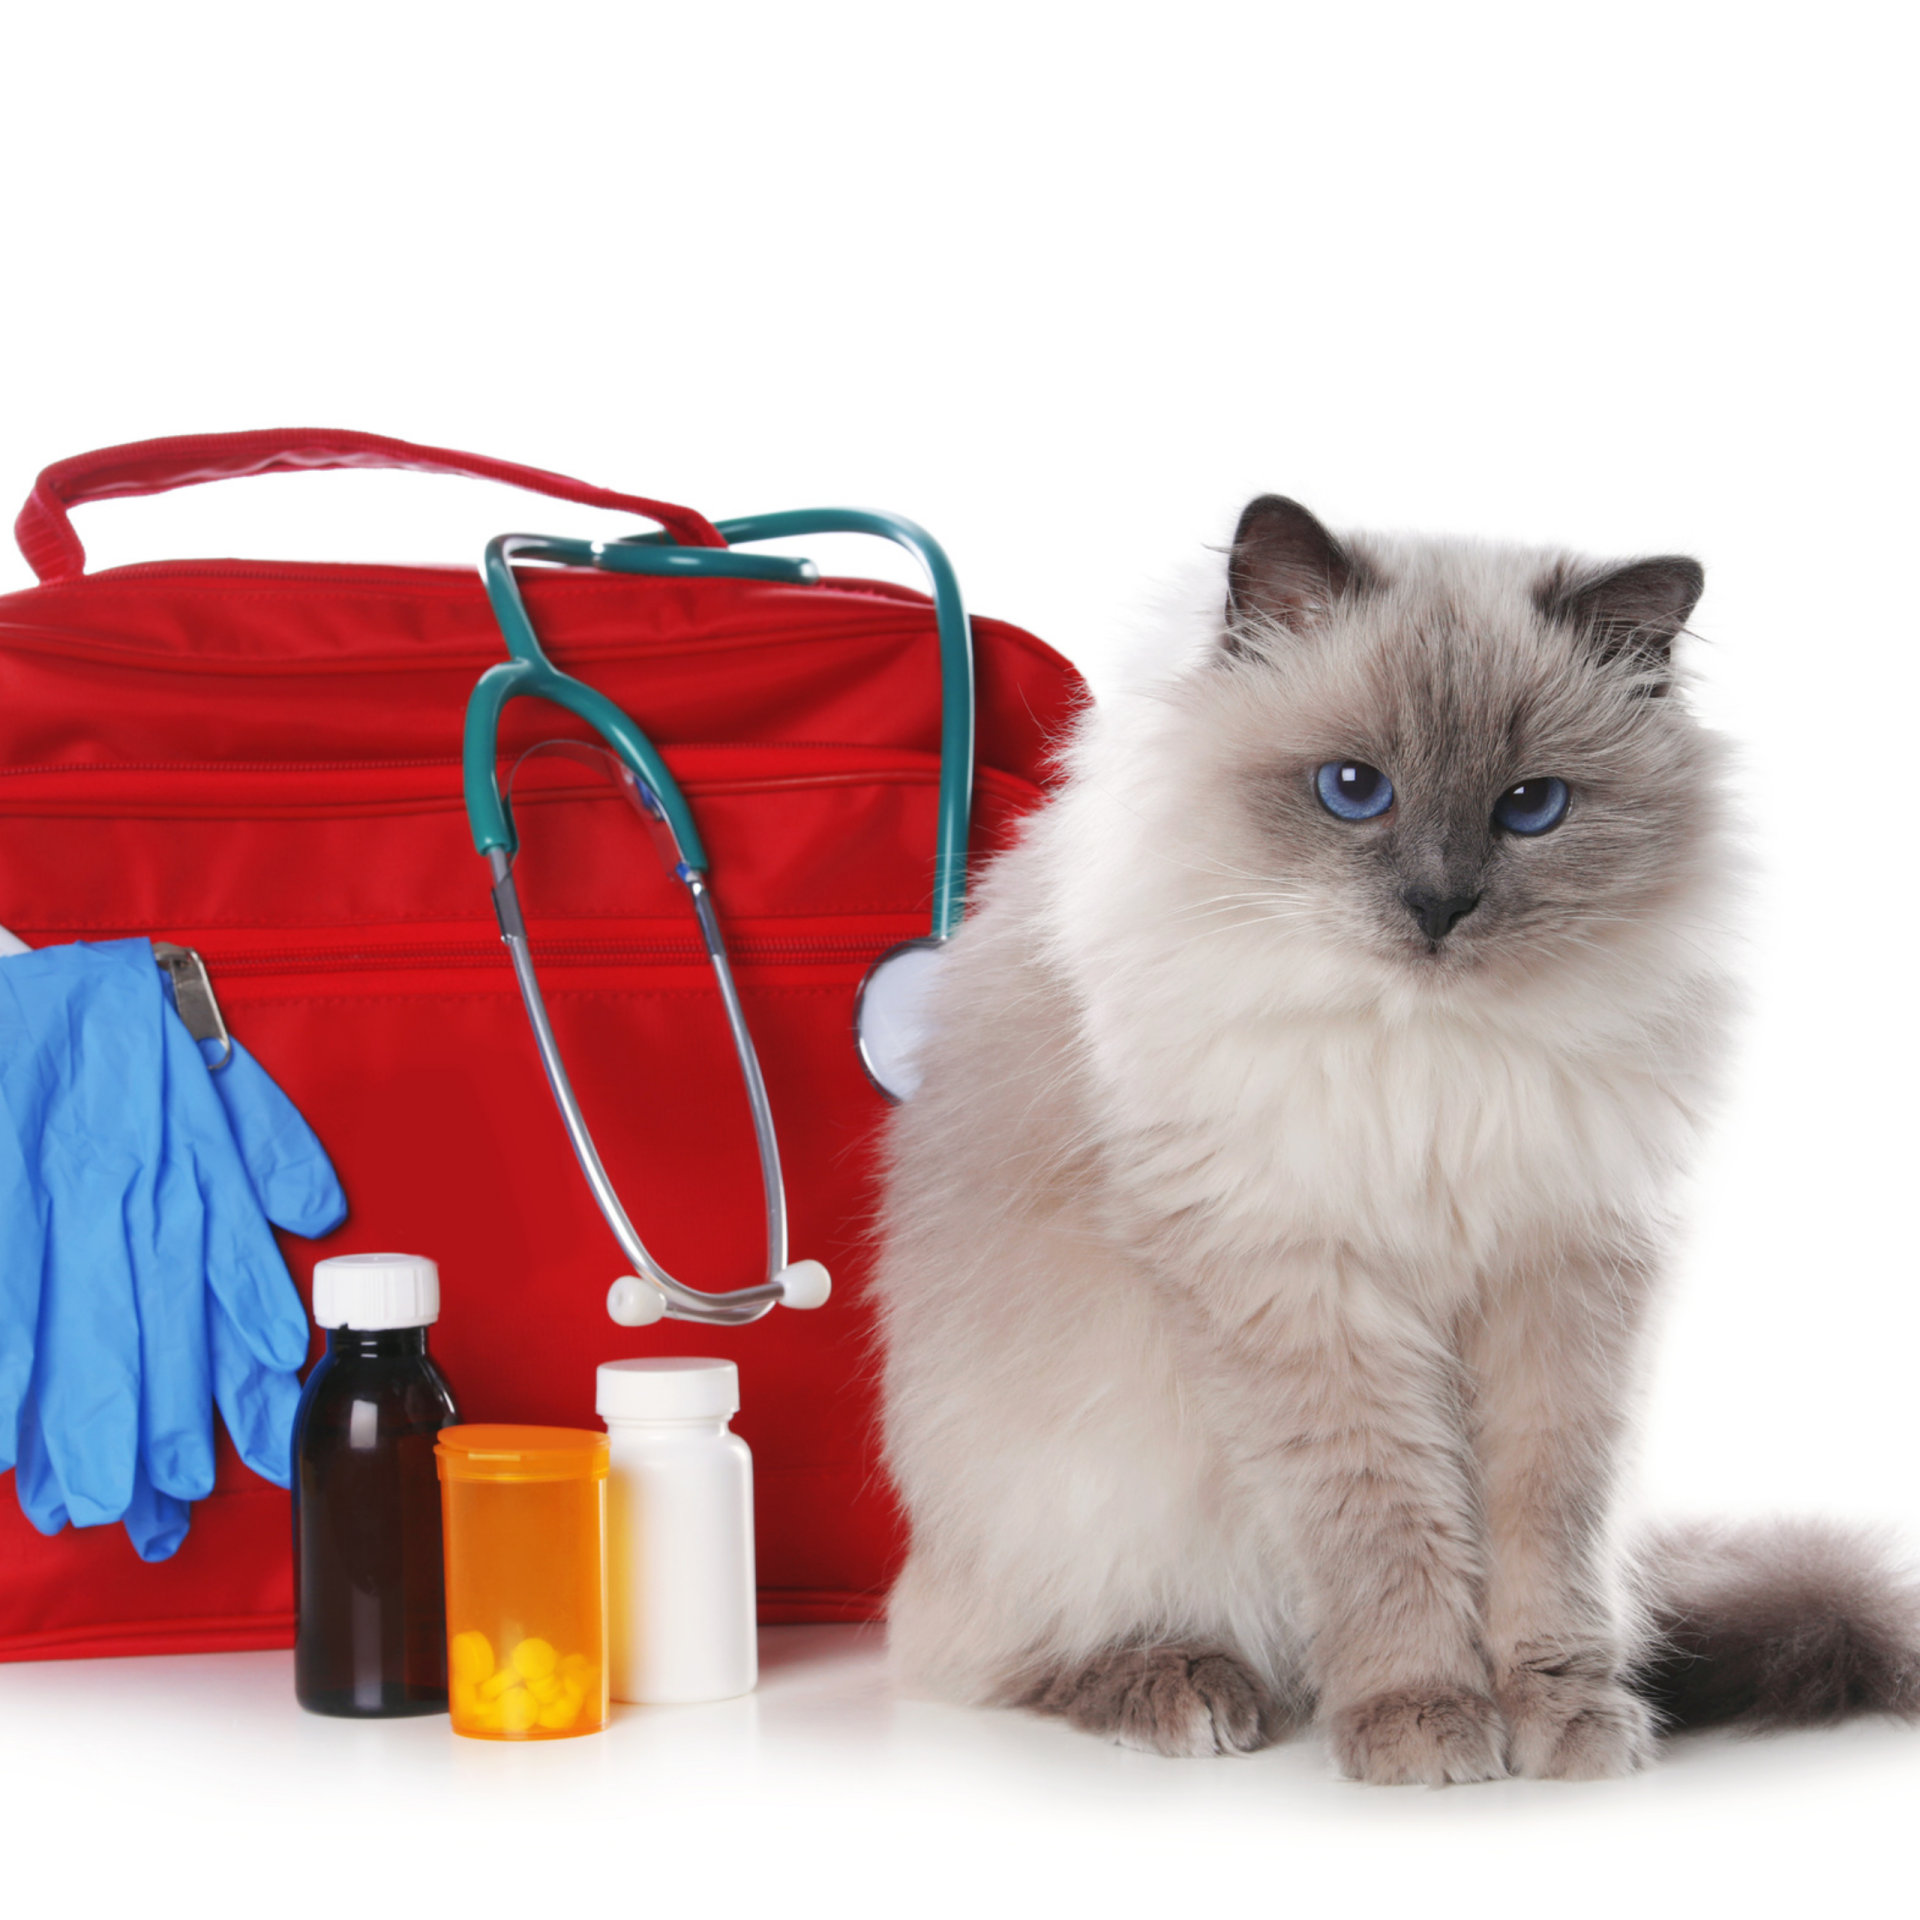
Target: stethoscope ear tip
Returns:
[[632, 1303], [804, 1284]]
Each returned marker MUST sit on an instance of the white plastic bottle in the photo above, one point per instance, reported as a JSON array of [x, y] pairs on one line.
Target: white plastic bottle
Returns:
[[680, 1593]]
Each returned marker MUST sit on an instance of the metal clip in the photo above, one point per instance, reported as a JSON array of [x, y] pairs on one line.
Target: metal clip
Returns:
[[193, 997]]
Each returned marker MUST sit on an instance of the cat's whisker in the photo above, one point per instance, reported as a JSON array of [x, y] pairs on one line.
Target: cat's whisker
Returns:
[[1205, 933], [1225, 904]]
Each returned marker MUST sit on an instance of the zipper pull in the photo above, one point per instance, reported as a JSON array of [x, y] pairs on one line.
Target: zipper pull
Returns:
[[193, 997]]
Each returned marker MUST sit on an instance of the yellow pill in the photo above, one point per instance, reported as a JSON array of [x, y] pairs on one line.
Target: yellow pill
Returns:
[[562, 1713], [518, 1710], [488, 1717], [534, 1659], [546, 1691], [496, 1684], [466, 1698], [580, 1675], [470, 1656]]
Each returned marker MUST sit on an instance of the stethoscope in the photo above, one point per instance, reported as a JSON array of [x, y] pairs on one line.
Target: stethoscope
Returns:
[[887, 1012]]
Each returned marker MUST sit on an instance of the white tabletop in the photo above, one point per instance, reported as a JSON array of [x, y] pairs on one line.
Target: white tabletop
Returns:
[[194, 1784]]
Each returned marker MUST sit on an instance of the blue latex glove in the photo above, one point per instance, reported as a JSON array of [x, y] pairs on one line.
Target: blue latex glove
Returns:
[[23, 1235], [156, 1523], [80, 1080], [286, 1163], [215, 1311]]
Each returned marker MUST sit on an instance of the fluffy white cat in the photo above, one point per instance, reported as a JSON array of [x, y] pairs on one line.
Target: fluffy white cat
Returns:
[[1269, 1247]]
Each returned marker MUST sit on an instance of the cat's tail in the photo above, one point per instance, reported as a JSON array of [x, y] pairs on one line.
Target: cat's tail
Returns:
[[1785, 1624]]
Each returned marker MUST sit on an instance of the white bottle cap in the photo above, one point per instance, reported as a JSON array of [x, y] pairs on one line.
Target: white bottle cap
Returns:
[[674, 1389], [376, 1292]]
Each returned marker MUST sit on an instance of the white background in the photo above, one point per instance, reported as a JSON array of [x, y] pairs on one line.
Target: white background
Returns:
[[1068, 284]]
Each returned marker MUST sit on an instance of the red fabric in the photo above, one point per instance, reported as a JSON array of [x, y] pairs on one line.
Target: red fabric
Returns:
[[52, 548], [263, 762]]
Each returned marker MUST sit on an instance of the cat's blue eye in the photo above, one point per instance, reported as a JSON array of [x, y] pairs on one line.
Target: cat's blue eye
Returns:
[[1351, 790], [1534, 806]]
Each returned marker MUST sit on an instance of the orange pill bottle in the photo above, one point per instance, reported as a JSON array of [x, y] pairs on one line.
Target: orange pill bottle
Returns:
[[525, 1519]]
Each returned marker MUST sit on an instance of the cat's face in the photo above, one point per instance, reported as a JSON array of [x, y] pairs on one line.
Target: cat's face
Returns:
[[1455, 764]]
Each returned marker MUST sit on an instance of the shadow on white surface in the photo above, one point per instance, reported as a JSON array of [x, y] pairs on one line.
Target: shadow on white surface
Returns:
[[823, 1793]]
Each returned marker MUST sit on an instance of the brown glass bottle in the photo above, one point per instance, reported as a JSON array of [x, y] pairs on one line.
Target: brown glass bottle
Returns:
[[369, 1587]]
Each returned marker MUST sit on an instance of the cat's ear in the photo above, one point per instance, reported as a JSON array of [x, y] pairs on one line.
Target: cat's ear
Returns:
[[1285, 569], [1631, 614]]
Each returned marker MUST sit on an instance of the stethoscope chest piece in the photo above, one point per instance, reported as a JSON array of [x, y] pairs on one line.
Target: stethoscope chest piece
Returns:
[[890, 1015]]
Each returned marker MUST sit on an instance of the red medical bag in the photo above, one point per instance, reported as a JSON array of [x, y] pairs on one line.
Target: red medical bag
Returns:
[[262, 761]]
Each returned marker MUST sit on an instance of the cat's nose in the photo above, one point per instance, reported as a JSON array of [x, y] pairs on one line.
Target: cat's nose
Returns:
[[1438, 917]]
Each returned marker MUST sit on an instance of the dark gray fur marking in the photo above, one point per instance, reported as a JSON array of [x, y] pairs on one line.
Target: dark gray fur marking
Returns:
[[1434, 1738], [1794, 1625], [1631, 614], [1172, 1700], [1285, 568]]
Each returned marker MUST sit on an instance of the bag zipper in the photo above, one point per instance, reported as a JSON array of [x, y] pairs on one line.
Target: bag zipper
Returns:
[[487, 950]]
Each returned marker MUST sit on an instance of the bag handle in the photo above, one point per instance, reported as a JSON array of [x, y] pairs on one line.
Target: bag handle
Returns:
[[45, 532]]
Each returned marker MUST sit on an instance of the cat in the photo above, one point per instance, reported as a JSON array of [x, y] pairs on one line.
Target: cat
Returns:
[[1267, 1254]]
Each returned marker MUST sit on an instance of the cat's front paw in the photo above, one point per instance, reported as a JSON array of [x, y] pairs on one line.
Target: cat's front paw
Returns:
[[1423, 1737], [1567, 1724], [1174, 1700]]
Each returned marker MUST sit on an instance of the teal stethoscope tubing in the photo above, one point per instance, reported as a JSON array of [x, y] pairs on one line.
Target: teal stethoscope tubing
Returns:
[[528, 673]]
